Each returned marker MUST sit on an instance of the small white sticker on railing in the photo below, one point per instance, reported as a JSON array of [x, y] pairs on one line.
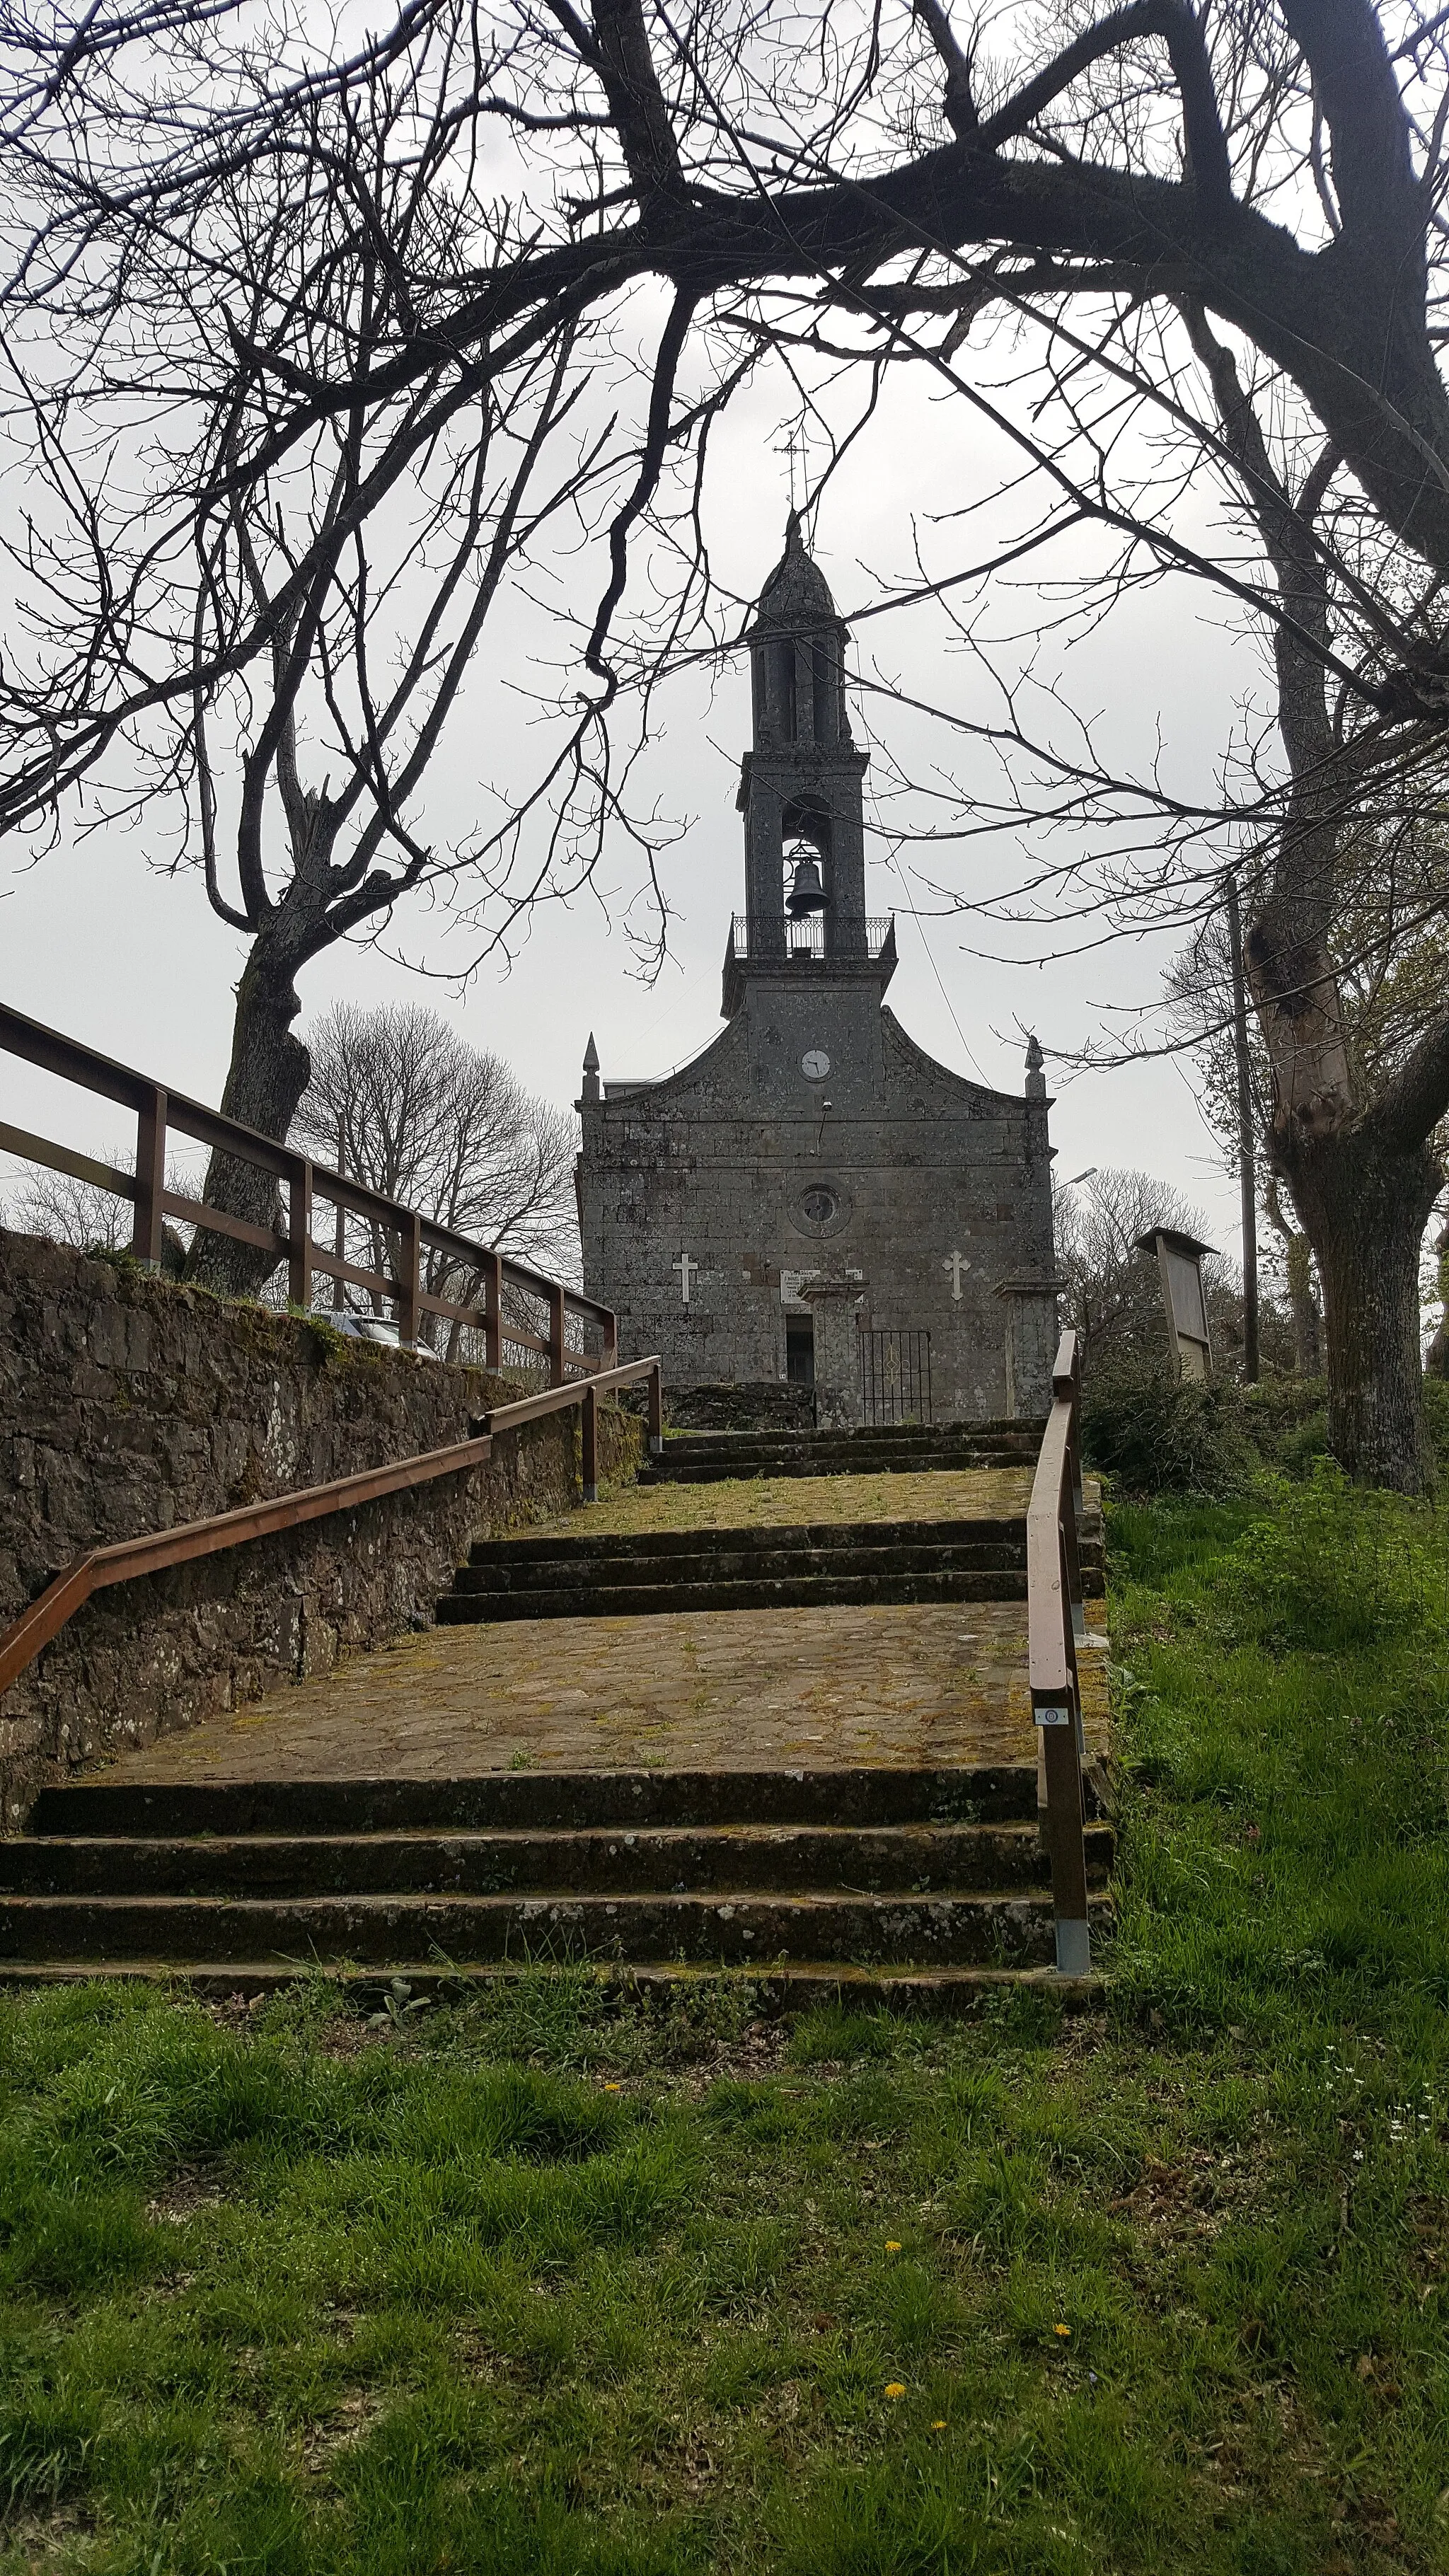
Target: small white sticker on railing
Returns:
[[1059, 1715]]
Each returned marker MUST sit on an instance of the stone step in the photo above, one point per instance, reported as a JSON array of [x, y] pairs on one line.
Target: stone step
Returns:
[[669, 1860], [715, 1558], [831, 1448], [1010, 1931], [868, 1796], [858, 1457], [773, 1470], [580, 1600], [879, 1435], [766, 1539], [808, 1464], [709, 1564]]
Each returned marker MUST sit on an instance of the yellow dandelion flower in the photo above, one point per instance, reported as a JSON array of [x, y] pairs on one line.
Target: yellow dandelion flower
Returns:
[[618, 2088], [938, 2424], [1061, 2330], [895, 2388], [893, 2245]]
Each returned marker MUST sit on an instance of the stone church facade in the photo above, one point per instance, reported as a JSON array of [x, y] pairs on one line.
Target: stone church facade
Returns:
[[814, 1197]]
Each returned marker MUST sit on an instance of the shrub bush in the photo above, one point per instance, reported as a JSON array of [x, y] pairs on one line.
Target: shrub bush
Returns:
[[1158, 1437], [1286, 1418]]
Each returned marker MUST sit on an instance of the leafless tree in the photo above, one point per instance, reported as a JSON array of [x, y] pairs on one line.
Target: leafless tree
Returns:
[[1114, 1294], [1390, 952], [325, 601], [1190, 221], [399, 1100], [61, 1208], [1200, 1010], [1113, 1300]]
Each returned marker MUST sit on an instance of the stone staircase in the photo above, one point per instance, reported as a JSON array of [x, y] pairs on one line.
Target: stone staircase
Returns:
[[898, 1878], [740, 1569], [823, 1567], [899, 1882], [709, 1457]]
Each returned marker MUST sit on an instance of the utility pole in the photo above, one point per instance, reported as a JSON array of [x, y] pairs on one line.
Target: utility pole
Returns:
[[1247, 1155]]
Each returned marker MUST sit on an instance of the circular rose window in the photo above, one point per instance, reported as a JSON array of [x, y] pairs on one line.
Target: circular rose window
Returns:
[[822, 1208]]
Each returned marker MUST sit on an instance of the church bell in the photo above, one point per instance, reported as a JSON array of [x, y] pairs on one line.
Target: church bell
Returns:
[[807, 894]]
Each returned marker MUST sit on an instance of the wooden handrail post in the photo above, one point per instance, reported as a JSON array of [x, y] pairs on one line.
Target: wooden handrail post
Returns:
[[299, 1235], [1056, 1623], [493, 1312], [401, 1278], [656, 1413], [410, 1264], [589, 1444], [1065, 1838], [150, 1179], [556, 1370]]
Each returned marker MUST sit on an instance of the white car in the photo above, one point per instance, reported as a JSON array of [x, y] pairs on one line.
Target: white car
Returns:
[[375, 1328]]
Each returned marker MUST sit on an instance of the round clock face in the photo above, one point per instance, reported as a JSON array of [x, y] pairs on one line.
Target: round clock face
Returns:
[[815, 1065]]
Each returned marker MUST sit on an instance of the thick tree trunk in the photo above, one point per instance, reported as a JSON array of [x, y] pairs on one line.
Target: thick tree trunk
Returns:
[[1364, 1206], [264, 1084]]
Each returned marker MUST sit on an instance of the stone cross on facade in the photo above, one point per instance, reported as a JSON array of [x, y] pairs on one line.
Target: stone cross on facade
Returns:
[[956, 1263], [687, 1270]]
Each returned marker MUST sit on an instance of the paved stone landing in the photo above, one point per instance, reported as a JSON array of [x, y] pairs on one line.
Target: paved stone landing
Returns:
[[789, 1502], [915, 1686]]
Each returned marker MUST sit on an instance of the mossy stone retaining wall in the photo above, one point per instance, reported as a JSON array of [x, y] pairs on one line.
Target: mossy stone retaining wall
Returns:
[[128, 1404]]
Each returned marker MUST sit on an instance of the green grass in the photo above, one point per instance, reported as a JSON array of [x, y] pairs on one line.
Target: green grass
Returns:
[[532, 2287]]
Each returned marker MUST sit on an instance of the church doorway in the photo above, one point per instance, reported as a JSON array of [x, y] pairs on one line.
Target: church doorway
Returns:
[[895, 1377], [800, 1350]]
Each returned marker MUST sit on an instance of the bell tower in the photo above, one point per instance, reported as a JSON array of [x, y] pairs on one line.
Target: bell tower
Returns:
[[800, 782], [812, 1198]]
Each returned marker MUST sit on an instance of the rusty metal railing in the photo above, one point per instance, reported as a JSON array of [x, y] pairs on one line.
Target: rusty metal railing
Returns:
[[1056, 1627], [408, 1235], [131, 1557]]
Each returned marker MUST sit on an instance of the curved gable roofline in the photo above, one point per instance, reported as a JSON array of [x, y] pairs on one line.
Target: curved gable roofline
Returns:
[[657, 1086], [915, 1059]]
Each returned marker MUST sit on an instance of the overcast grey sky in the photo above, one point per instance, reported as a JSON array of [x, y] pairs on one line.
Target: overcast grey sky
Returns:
[[95, 941]]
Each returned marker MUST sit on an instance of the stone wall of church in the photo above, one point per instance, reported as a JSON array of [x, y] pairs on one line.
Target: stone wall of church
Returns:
[[931, 1191]]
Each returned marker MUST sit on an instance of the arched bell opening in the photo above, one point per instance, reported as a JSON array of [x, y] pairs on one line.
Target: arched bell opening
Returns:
[[828, 725], [798, 691], [808, 872]]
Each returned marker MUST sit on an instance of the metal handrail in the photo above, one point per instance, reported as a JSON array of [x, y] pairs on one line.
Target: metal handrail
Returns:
[[1056, 1626], [127, 1558], [159, 1111]]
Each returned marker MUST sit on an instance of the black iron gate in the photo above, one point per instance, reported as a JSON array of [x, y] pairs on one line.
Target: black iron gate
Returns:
[[895, 1377]]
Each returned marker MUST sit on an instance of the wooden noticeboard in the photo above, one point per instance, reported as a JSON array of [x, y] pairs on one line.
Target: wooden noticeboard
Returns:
[[1179, 1267]]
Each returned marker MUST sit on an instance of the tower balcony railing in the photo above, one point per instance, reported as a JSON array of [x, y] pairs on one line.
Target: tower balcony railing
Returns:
[[812, 937]]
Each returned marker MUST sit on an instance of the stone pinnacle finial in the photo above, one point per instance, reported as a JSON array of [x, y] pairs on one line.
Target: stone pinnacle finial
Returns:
[[1035, 1077], [591, 1069]]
